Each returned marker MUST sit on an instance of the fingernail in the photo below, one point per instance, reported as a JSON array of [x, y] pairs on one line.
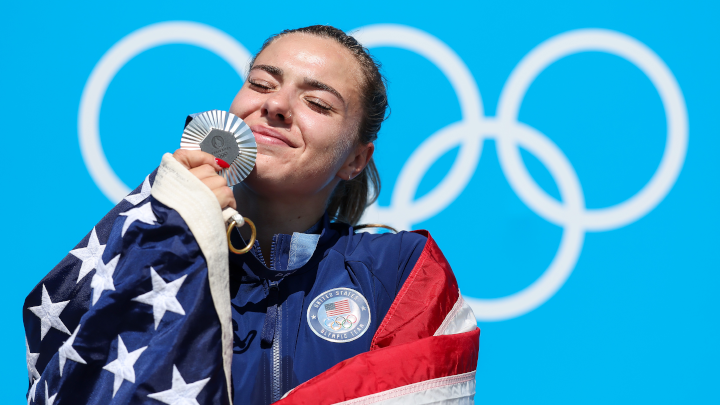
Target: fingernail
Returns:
[[222, 163]]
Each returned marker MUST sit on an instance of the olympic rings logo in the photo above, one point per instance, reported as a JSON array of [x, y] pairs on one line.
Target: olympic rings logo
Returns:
[[340, 322], [469, 133]]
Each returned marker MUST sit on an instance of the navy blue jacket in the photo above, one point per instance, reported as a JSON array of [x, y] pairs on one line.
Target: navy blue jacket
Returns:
[[275, 347]]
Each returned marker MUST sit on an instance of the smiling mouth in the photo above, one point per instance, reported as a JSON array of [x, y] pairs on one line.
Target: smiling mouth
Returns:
[[269, 136]]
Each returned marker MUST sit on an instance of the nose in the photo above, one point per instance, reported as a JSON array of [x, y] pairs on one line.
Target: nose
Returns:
[[277, 108]]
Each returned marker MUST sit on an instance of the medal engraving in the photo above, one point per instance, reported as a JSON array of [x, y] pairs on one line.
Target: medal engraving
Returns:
[[220, 144]]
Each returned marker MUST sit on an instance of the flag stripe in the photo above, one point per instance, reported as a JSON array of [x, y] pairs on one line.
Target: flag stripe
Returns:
[[338, 308], [425, 300], [450, 388], [423, 360]]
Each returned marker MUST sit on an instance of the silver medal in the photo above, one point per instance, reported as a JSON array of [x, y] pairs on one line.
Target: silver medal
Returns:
[[225, 136]]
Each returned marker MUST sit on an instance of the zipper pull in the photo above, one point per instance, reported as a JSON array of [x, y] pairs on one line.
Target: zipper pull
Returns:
[[268, 332]]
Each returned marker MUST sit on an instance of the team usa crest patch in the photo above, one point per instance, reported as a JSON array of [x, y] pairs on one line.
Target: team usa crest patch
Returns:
[[339, 315]]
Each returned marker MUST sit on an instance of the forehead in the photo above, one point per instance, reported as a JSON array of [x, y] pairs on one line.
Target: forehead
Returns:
[[306, 55]]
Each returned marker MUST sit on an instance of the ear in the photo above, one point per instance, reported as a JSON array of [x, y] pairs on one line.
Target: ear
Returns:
[[356, 161]]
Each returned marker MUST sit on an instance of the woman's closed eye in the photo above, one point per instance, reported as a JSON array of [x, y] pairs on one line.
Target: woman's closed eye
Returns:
[[319, 105], [260, 85]]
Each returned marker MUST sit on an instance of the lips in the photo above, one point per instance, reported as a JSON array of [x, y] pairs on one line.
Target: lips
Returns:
[[270, 136]]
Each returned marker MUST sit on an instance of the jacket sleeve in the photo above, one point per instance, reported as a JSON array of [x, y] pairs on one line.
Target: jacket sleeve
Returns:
[[424, 351]]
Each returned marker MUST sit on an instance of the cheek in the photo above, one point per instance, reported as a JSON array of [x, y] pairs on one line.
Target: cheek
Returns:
[[245, 103], [327, 142], [324, 136]]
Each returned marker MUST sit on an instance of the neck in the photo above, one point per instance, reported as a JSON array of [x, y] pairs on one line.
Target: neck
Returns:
[[277, 215]]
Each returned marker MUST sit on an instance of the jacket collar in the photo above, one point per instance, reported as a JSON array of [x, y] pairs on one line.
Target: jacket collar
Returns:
[[290, 253]]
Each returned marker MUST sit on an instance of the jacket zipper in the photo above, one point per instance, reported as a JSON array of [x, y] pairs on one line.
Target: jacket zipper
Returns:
[[272, 253], [276, 390]]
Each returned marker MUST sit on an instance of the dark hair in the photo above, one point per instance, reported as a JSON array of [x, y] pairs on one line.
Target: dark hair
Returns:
[[350, 198]]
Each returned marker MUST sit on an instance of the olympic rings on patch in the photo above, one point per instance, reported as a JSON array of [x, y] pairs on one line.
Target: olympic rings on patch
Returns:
[[340, 322]]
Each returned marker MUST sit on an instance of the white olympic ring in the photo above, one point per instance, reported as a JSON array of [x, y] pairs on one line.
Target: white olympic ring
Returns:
[[469, 134], [171, 32], [509, 134]]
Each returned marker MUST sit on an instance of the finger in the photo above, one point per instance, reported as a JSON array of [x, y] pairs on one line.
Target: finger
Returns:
[[214, 182], [194, 158], [225, 197], [203, 172]]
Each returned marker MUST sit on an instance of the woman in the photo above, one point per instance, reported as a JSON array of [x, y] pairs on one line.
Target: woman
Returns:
[[314, 304]]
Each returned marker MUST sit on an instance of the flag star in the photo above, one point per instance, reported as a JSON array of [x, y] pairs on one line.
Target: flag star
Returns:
[[49, 314], [144, 193], [66, 351], [180, 393], [162, 297], [142, 214], [31, 394], [122, 367], [102, 280], [90, 255], [31, 359], [49, 399]]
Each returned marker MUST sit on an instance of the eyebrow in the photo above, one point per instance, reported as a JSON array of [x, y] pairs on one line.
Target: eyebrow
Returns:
[[276, 71], [273, 70], [322, 86]]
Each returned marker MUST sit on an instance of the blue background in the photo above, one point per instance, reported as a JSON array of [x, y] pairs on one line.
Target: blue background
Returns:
[[636, 321]]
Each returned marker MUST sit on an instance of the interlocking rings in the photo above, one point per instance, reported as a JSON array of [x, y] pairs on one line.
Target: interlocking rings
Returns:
[[469, 133], [340, 322], [509, 134]]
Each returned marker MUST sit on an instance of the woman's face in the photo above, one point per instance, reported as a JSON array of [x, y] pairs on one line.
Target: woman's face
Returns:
[[302, 101]]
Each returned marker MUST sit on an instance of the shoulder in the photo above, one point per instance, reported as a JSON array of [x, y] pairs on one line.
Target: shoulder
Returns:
[[362, 246]]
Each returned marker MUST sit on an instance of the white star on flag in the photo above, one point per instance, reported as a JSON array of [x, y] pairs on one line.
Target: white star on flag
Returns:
[[49, 399], [180, 393], [89, 255], [142, 214], [66, 351], [49, 314], [144, 193], [122, 367], [162, 297], [31, 394], [31, 359], [102, 280]]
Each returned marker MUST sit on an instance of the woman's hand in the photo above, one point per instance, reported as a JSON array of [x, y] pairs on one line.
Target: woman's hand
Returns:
[[205, 167]]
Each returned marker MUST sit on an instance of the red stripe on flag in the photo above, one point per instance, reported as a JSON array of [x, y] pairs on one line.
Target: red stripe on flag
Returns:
[[390, 367], [426, 298], [341, 307]]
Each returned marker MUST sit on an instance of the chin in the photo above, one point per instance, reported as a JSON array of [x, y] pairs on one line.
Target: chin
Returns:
[[267, 183]]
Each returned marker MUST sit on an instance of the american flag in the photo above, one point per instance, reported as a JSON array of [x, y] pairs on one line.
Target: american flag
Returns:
[[338, 307], [110, 322]]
